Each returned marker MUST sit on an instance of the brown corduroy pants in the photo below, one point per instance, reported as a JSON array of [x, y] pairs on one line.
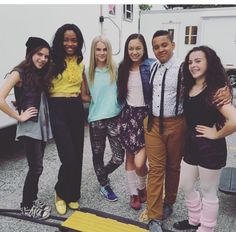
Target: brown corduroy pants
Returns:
[[164, 152]]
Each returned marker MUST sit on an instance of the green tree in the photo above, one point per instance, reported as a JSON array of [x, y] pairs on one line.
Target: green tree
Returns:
[[145, 7]]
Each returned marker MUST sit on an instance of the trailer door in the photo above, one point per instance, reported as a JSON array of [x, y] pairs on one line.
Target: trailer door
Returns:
[[219, 33]]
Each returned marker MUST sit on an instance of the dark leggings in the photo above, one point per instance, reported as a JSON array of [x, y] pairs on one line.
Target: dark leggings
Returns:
[[34, 150], [99, 130]]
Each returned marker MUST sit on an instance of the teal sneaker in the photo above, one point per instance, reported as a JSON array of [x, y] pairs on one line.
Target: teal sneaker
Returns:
[[108, 193]]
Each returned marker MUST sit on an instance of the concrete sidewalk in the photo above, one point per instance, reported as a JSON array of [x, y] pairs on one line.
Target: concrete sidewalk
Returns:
[[13, 171]]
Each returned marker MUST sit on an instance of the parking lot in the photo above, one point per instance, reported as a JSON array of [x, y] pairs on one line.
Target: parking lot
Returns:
[[13, 168]]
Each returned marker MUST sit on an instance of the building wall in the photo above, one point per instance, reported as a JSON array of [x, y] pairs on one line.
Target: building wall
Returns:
[[18, 22]]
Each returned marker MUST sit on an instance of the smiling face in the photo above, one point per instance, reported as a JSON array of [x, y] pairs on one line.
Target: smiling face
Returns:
[[70, 42], [135, 50], [163, 48], [40, 58], [100, 54], [197, 64]]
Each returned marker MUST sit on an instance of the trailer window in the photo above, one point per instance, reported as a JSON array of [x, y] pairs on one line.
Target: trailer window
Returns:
[[128, 12], [191, 35]]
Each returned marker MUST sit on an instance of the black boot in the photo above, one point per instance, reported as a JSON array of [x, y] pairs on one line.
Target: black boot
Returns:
[[184, 225]]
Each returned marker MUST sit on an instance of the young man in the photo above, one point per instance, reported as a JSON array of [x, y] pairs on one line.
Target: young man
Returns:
[[164, 131]]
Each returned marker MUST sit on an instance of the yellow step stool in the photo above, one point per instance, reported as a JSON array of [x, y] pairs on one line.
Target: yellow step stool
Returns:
[[90, 222]]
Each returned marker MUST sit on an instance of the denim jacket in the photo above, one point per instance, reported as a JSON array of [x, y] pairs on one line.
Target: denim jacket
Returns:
[[145, 71]]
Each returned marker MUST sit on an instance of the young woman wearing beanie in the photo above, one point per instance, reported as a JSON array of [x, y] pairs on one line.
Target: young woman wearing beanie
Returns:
[[29, 80]]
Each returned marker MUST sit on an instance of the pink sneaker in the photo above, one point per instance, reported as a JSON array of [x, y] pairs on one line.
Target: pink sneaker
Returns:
[[135, 202]]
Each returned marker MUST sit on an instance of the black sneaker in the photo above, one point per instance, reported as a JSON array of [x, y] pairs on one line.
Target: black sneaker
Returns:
[[184, 225], [34, 212], [42, 205]]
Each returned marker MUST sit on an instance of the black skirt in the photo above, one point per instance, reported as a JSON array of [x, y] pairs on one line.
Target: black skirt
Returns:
[[207, 153]]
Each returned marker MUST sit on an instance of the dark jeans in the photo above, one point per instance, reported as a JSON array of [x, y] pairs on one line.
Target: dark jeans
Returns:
[[67, 121], [99, 130], [34, 150]]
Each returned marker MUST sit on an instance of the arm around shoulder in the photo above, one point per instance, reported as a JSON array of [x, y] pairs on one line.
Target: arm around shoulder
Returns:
[[223, 96]]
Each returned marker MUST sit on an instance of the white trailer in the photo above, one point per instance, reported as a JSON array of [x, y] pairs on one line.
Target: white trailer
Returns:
[[18, 22], [214, 27]]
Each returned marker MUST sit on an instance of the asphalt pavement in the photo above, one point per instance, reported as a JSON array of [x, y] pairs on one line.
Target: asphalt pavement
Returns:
[[13, 168]]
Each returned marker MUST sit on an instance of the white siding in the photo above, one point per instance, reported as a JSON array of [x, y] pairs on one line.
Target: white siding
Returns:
[[18, 22]]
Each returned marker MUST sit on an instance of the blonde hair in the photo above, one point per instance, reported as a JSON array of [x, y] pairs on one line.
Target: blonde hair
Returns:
[[109, 61]]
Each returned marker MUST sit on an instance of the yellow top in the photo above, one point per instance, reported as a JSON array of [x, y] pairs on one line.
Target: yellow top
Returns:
[[69, 82]]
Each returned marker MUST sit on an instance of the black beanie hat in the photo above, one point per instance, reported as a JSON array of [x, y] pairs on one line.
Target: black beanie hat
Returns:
[[35, 42]]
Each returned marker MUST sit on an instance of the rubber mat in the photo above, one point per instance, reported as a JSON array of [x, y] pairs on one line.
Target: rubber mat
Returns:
[[89, 222], [85, 220]]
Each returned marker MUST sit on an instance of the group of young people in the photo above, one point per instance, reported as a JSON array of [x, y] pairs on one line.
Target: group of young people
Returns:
[[157, 110]]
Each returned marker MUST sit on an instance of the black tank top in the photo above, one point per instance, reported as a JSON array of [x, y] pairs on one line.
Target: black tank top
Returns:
[[198, 112]]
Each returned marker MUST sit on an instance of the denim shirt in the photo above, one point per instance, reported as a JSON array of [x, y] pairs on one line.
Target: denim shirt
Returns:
[[145, 71]]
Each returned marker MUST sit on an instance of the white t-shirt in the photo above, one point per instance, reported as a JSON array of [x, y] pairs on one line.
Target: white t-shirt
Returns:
[[135, 90]]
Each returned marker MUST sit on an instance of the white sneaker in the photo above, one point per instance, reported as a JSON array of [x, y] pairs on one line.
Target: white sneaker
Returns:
[[34, 212]]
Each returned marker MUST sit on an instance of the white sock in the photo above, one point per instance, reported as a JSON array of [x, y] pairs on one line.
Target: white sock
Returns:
[[132, 182], [141, 182]]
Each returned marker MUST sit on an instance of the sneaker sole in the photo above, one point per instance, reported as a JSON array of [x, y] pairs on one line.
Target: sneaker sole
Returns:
[[107, 198], [40, 219]]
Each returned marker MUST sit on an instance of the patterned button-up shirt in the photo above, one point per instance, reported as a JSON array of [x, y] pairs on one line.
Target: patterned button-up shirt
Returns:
[[170, 92]]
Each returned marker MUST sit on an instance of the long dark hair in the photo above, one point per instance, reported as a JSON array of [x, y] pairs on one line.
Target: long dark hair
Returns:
[[125, 65], [31, 72], [215, 74], [58, 53]]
